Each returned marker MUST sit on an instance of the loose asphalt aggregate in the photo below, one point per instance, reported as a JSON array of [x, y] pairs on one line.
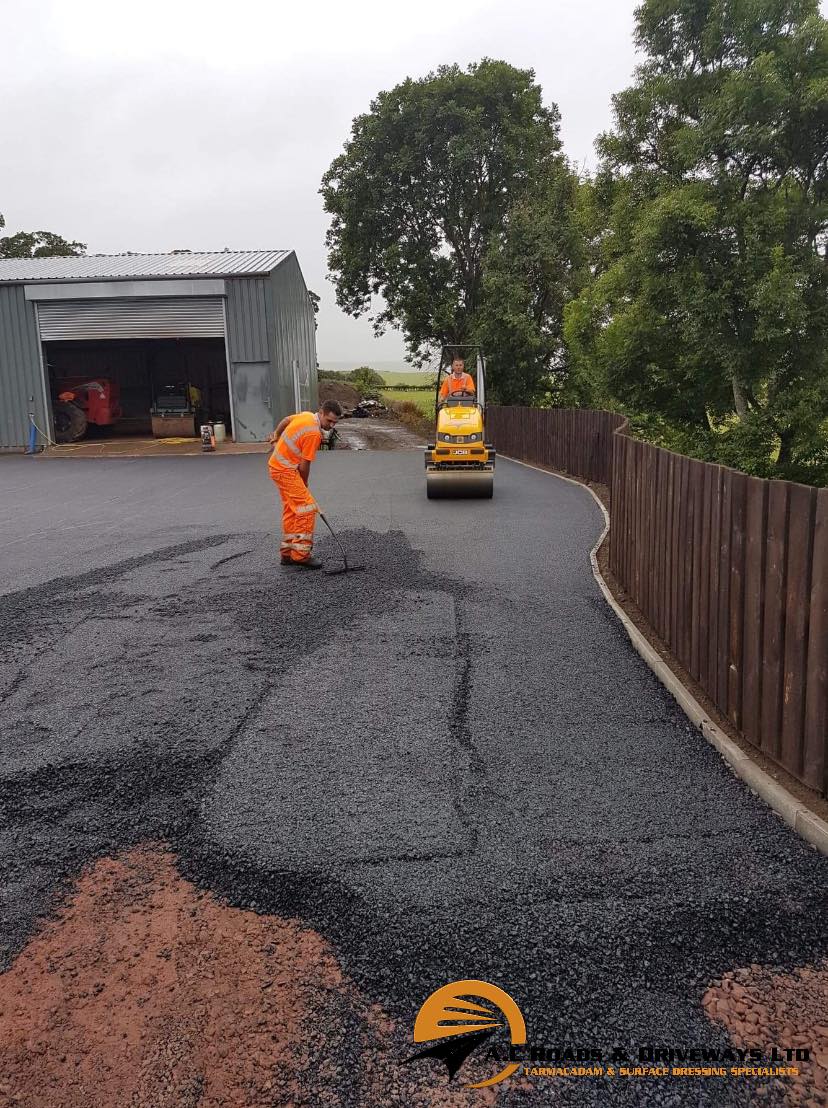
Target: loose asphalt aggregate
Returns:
[[452, 765]]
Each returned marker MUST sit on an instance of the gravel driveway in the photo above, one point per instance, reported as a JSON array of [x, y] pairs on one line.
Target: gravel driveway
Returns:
[[452, 765]]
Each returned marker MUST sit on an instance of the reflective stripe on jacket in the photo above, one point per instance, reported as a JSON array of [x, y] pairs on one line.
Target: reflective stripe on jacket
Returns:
[[298, 442]]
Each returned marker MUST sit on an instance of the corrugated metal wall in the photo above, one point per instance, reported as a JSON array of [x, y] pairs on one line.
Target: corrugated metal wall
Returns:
[[295, 338], [249, 319], [249, 329], [20, 373], [271, 319]]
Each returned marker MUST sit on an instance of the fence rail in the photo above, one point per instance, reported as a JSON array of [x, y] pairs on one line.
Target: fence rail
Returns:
[[731, 571]]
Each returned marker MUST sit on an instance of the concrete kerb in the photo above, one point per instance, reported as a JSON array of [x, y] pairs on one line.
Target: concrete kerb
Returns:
[[805, 822]]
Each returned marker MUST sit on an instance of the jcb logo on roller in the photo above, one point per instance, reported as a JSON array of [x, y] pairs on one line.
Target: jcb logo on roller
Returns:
[[455, 1021]]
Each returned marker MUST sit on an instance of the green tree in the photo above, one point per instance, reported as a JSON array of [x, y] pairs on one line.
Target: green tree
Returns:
[[366, 381], [709, 307], [314, 301], [422, 191], [530, 273], [37, 244]]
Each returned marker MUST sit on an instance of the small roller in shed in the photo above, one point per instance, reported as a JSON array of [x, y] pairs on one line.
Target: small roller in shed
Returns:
[[460, 463]]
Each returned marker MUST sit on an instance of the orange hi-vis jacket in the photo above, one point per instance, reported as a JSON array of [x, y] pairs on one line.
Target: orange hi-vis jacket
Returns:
[[298, 442], [463, 383]]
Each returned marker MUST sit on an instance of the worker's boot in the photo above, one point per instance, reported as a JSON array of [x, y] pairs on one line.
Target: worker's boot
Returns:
[[308, 563]]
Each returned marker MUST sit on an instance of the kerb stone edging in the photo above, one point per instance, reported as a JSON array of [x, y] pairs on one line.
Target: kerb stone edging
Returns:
[[805, 822]]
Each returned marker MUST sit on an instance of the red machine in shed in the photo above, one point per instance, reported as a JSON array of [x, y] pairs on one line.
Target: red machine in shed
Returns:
[[79, 401]]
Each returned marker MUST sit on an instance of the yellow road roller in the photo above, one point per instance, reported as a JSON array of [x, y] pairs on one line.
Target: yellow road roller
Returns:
[[460, 463]]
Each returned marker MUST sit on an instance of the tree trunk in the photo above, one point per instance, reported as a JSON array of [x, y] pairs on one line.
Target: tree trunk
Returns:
[[785, 447], [739, 399]]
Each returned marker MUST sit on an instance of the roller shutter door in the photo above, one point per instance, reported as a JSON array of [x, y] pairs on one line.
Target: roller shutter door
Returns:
[[164, 318]]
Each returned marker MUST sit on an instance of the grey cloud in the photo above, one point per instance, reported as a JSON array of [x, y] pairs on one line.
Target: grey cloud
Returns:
[[204, 154]]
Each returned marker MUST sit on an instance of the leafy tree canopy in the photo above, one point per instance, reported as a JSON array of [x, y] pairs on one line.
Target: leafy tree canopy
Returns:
[[422, 191], [530, 273], [709, 306], [37, 244], [366, 381]]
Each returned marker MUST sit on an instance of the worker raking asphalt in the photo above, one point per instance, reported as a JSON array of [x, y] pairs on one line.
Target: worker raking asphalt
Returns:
[[452, 765]]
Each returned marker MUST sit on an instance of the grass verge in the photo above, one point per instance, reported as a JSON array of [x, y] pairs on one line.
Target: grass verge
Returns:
[[423, 401], [413, 416], [392, 379]]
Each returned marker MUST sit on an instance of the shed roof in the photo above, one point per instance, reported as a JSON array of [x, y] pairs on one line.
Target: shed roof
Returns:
[[228, 263]]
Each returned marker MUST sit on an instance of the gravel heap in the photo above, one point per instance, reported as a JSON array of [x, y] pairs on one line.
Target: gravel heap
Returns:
[[145, 992], [758, 1005]]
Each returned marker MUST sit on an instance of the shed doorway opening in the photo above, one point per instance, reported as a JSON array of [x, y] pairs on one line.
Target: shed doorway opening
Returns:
[[115, 388]]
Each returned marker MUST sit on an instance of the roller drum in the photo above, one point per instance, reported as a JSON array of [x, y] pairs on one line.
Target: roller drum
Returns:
[[446, 484]]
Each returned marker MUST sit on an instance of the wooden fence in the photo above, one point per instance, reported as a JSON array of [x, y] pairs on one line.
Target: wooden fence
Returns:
[[572, 440], [731, 571]]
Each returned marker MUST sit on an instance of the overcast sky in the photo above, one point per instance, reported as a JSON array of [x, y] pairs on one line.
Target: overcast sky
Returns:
[[178, 124]]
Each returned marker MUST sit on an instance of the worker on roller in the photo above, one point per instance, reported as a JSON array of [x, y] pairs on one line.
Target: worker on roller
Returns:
[[295, 442], [457, 381]]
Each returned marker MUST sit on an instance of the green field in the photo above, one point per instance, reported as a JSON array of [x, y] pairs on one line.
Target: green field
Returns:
[[423, 400], [392, 379]]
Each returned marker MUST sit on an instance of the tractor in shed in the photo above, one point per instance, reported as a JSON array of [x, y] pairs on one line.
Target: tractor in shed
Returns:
[[78, 402]]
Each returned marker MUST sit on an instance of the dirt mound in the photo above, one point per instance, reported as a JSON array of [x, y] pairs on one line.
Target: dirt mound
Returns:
[[145, 992], [341, 391]]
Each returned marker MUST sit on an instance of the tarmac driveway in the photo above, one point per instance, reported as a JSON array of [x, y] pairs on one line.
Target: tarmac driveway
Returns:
[[452, 765]]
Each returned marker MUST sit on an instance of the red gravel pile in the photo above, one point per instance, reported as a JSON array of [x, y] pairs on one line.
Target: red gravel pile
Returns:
[[762, 1009], [145, 992]]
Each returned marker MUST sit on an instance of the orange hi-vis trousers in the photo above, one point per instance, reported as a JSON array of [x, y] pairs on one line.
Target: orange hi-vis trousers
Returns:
[[299, 515]]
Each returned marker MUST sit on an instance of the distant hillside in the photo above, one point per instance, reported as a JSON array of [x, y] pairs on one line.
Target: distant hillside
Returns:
[[381, 367]]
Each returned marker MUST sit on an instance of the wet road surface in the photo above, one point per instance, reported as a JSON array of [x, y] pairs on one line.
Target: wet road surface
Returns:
[[452, 765]]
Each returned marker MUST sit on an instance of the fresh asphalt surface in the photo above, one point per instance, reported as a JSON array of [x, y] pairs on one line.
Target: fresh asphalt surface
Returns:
[[452, 765]]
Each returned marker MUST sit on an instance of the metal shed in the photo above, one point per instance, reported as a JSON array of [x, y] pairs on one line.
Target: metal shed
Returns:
[[239, 321]]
